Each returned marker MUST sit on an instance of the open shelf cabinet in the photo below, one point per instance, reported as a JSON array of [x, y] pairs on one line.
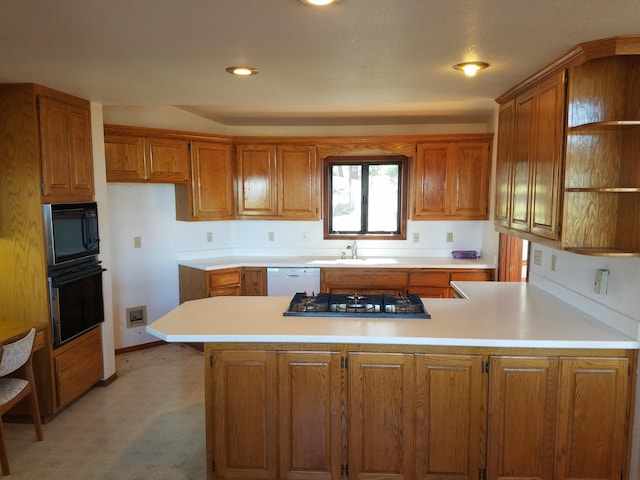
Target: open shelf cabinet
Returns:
[[602, 163]]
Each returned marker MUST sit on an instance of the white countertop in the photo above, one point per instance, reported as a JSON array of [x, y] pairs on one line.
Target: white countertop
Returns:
[[493, 315], [217, 263]]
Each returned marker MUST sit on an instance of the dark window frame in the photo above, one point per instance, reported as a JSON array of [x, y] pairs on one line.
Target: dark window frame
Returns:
[[403, 193]]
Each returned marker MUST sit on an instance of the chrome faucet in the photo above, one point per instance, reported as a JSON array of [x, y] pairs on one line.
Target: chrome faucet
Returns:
[[354, 250]]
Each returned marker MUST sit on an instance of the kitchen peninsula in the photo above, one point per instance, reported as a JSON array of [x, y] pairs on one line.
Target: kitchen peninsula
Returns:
[[453, 396]]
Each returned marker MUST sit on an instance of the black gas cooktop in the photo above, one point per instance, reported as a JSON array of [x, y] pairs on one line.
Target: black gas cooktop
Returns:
[[357, 305]]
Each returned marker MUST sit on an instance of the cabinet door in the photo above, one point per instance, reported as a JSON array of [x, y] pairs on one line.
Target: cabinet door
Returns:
[[242, 414], [256, 180], [592, 418], [254, 281], [212, 183], [298, 189], [450, 424], [522, 154], [504, 162], [547, 160], [522, 406], [468, 181], [67, 158], [430, 185], [310, 400], [167, 160], [124, 158], [381, 416]]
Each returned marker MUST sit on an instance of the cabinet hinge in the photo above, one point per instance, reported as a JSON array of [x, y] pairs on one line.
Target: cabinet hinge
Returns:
[[213, 465], [344, 470], [558, 230], [211, 361], [629, 369], [42, 187], [38, 103], [189, 146]]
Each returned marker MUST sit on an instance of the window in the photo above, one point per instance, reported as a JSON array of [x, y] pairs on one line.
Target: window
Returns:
[[365, 197]]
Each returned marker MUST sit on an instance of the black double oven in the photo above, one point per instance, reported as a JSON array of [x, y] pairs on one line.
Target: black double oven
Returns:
[[75, 274]]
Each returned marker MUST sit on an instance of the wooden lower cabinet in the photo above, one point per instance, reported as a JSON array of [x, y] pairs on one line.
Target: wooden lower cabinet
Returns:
[[78, 366], [330, 412], [450, 406], [381, 415], [196, 283], [522, 418]]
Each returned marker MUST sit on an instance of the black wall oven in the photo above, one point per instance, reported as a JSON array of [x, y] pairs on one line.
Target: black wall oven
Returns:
[[75, 290]]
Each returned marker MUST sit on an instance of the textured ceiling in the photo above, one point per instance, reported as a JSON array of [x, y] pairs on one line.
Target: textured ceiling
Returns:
[[359, 62]]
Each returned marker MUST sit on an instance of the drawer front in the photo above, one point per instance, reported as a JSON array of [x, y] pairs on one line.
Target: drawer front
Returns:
[[224, 277], [431, 292], [481, 276], [232, 290], [429, 279], [365, 278]]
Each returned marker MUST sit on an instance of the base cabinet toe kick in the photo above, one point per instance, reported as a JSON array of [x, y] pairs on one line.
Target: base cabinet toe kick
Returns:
[[311, 411]]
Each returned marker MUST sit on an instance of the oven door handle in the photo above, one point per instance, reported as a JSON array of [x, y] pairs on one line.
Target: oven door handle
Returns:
[[59, 280]]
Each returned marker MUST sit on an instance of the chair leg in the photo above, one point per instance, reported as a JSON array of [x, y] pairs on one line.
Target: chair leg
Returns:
[[4, 459], [35, 409]]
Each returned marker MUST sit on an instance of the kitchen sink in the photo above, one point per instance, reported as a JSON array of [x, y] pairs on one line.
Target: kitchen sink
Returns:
[[355, 261]]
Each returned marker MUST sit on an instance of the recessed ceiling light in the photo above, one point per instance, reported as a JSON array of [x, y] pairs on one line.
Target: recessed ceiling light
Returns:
[[470, 68], [319, 3], [242, 71]]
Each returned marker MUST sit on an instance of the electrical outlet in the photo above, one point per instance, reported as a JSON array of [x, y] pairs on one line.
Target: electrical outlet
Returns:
[[272, 236], [137, 242], [602, 282], [554, 261], [449, 237], [416, 237], [209, 237], [537, 257]]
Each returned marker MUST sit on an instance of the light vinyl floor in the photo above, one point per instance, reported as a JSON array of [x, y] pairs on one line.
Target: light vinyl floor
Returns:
[[147, 425]]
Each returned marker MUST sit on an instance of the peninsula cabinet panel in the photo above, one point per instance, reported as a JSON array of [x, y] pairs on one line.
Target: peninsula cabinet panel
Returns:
[[381, 416], [450, 417], [593, 409], [209, 195], [310, 408], [242, 398], [522, 418]]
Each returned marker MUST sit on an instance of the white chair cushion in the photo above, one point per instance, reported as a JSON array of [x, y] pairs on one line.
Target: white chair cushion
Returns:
[[10, 388]]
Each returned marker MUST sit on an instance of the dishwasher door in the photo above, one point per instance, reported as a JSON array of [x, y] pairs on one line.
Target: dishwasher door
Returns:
[[289, 281]]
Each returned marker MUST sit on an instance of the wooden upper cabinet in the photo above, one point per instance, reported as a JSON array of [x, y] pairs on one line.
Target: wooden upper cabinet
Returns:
[[256, 180], [298, 186], [209, 195], [528, 185], [504, 163], [66, 149], [522, 418], [450, 417], [451, 179], [277, 181], [141, 155], [593, 418]]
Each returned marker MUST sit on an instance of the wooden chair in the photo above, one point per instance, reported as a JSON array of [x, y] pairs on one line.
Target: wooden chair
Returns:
[[12, 390]]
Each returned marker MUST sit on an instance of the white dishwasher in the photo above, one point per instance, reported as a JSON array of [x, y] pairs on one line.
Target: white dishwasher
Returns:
[[289, 281]]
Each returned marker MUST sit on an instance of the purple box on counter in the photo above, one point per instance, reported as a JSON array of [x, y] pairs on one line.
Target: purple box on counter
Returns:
[[466, 254]]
